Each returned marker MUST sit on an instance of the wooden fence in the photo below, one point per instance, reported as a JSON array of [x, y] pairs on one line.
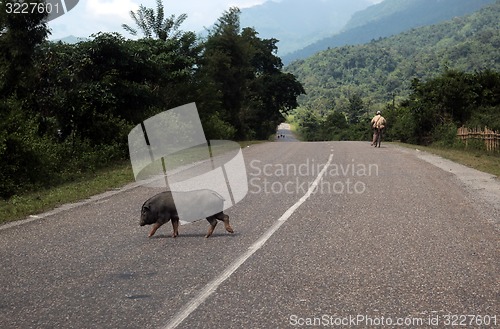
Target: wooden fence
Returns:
[[491, 138]]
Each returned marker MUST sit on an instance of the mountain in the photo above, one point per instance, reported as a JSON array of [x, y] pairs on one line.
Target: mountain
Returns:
[[422, 12], [382, 69], [298, 23], [389, 18], [71, 39]]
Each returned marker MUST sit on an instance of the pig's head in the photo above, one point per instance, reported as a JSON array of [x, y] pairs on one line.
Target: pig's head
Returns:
[[147, 217]]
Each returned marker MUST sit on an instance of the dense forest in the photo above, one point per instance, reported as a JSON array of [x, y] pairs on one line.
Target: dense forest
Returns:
[[431, 113], [68, 108], [387, 18], [440, 70]]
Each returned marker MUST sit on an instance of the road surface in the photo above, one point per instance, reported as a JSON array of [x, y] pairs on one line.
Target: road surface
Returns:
[[284, 133], [377, 237]]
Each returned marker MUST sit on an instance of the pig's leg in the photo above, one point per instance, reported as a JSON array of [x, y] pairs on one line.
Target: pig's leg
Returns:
[[175, 226], [225, 218], [156, 226], [213, 224]]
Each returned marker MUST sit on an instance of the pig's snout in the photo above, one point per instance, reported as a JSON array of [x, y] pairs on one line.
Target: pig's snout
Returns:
[[142, 222]]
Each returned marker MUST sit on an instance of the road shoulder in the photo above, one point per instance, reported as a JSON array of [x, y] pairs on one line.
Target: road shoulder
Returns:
[[482, 187]]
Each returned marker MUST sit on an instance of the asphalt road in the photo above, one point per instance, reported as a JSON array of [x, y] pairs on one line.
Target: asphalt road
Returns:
[[284, 134], [386, 237]]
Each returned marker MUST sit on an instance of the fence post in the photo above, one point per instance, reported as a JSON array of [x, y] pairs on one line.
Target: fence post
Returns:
[[490, 137]]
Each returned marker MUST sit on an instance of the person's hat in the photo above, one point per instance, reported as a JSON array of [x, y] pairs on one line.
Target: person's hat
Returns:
[[378, 112]]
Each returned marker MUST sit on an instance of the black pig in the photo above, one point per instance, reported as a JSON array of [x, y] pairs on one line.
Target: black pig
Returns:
[[161, 208]]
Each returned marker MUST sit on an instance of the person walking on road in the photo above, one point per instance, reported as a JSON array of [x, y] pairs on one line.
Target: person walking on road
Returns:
[[378, 124]]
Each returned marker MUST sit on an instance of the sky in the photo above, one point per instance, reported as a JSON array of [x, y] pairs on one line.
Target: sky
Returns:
[[93, 16]]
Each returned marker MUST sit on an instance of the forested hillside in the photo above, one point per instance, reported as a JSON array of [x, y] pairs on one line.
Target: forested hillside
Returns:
[[354, 81], [421, 12], [388, 18], [379, 69], [298, 23], [66, 109]]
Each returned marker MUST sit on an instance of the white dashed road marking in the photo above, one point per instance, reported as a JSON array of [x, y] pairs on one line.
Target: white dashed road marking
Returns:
[[203, 295]]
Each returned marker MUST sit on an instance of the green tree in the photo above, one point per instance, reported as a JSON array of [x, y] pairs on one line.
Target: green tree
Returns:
[[335, 126], [94, 89], [436, 107], [154, 23], [19, 36], [308, 124], [247, 76], [224, 62], [22, 163], [356, 108], [272, 94]]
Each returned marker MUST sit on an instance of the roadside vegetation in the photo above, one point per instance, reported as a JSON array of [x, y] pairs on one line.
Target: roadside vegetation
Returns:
[[431, 114], [473, 158], [86, 185], [427, 82], [66, 109]]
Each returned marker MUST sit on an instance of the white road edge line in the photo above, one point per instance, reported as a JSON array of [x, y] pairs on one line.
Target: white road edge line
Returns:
[[210, 288]]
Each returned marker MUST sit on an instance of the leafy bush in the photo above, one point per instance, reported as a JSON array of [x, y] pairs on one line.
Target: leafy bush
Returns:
[[67, 109], [476, 145], [216, 128], [445, 135]]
